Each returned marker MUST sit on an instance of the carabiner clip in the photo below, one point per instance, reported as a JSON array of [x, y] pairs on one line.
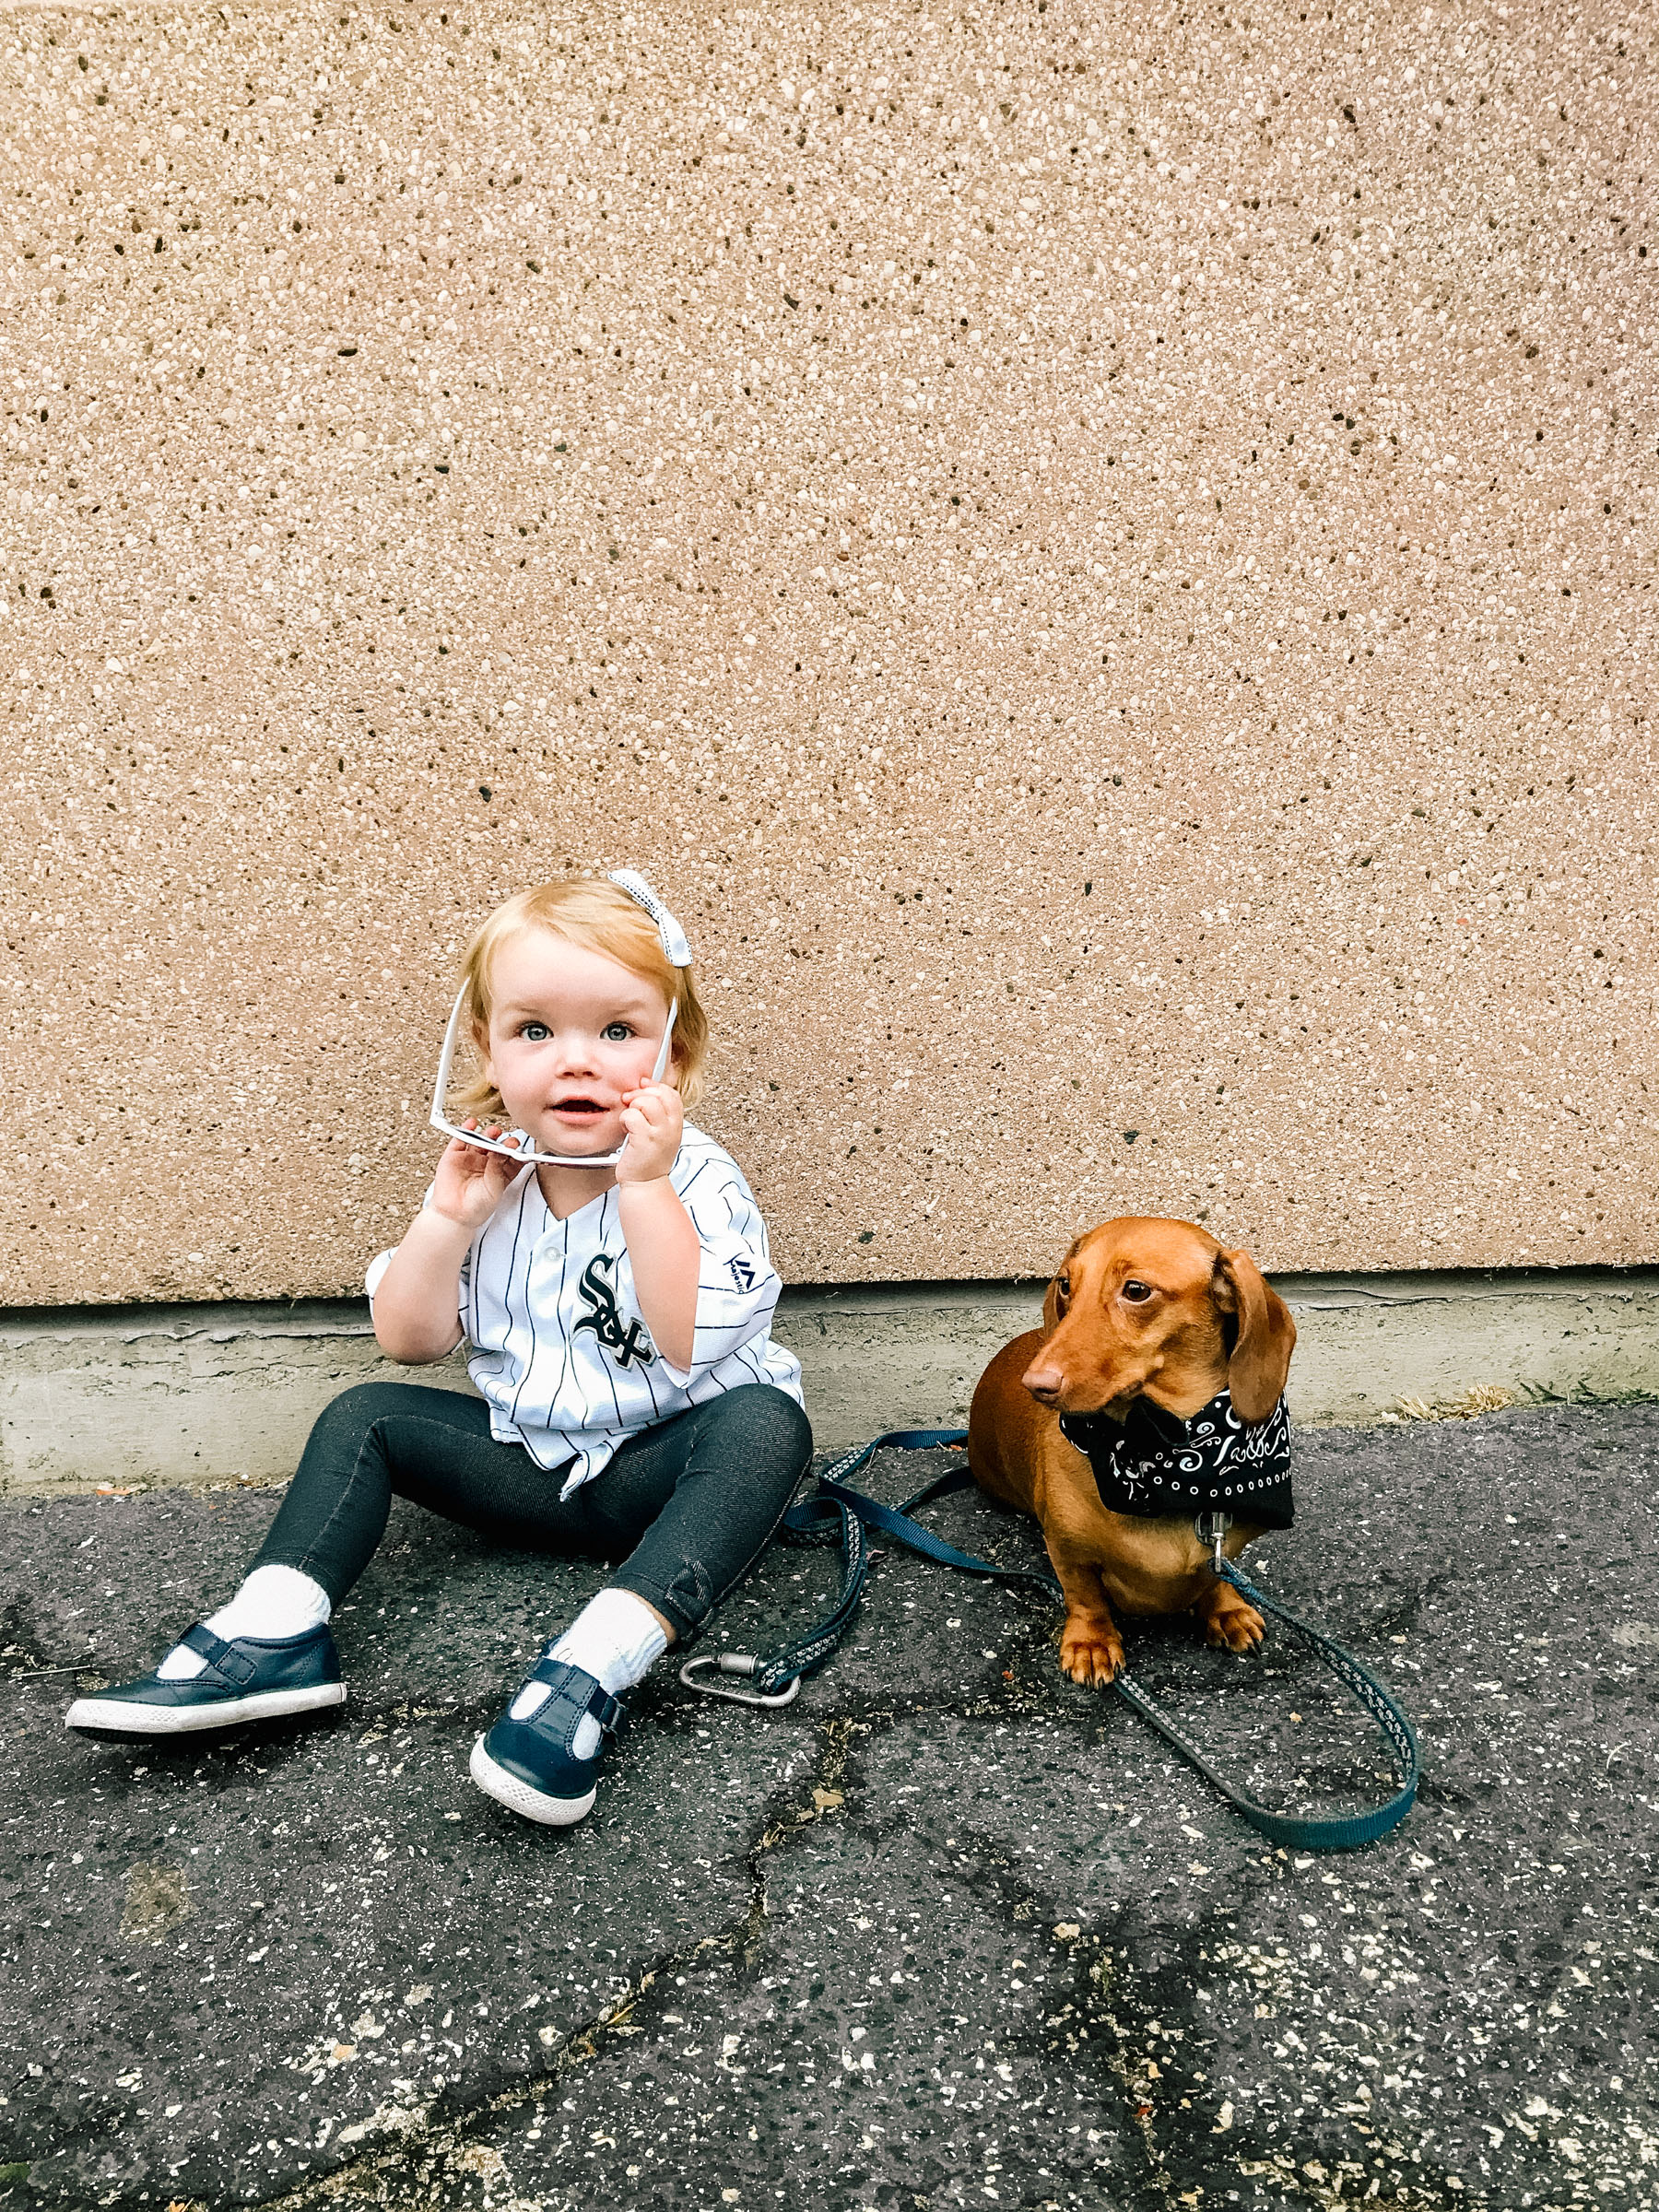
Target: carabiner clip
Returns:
[[1209, 1528], [734, 1663]]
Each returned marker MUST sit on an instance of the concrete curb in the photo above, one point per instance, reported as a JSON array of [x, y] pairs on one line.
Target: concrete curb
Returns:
[[191, 1393]]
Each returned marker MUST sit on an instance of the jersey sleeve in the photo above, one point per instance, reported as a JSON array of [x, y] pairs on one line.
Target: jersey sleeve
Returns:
[[378, 1266], [737, 1286]]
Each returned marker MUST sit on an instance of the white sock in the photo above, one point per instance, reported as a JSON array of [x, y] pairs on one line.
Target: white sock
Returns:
[[617, 1639], [272, 1601]]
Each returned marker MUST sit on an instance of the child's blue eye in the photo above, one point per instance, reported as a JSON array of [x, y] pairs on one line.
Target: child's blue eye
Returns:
[[617, 1033], [537, 1031]]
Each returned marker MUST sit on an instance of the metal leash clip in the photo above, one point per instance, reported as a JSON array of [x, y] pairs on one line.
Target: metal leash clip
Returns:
[[1209, 1528], [734, 1663]]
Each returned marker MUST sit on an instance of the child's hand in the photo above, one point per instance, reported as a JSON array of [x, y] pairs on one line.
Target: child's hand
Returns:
[[653, 1118], [470, 1184]]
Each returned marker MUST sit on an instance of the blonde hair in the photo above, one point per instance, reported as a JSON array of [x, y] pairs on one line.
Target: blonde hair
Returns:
[[590, 912]]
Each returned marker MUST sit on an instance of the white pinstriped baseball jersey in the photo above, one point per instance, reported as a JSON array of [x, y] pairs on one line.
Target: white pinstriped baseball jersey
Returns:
[[558, 1348]]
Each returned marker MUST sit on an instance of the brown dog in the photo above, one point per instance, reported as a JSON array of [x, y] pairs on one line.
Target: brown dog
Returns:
[[1139, 1309]]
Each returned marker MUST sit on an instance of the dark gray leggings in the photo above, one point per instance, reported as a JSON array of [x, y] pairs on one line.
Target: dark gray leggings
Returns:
[[687, 1505]]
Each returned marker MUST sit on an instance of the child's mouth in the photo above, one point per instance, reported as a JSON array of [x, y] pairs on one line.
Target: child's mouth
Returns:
[[578, 1109]]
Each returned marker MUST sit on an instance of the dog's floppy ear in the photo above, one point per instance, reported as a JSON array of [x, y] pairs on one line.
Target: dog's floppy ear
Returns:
[[1051, 1299], [1261, 1354]]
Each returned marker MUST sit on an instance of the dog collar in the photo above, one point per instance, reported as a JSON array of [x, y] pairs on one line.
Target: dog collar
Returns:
[[1157, 1465]]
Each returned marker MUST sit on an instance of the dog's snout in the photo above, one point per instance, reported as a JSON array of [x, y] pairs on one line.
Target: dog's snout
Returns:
[[1044, 1381]]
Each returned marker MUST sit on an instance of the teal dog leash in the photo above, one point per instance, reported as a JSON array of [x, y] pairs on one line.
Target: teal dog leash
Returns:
[[838, 1513]]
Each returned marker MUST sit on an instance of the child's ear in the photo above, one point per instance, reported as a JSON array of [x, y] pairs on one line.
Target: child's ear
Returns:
[[480, 1037]]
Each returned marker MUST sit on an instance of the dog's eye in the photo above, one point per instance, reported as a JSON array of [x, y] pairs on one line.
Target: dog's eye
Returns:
[[1136, 1293], [1062, 1290]]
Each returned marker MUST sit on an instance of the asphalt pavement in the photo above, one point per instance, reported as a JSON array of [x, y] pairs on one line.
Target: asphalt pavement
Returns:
[[947, 1931]]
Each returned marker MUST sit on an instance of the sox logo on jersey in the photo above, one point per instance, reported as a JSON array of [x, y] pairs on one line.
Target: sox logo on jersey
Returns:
[[603, 1318]]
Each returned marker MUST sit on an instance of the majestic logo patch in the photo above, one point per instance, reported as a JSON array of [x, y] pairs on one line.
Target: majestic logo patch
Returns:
[[627, 1345], [742, 1273]]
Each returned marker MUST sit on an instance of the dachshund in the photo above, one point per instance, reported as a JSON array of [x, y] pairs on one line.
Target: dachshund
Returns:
[[1145, 1324]]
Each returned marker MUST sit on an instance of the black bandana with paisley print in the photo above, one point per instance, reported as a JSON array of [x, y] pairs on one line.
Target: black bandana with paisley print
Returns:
[[1156, 1464]]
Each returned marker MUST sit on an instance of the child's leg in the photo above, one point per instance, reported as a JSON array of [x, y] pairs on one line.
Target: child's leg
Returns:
[[699, 1497], [399, 1439], [692, 1502], [269, 1652], [371, 1443], [696, 1499]]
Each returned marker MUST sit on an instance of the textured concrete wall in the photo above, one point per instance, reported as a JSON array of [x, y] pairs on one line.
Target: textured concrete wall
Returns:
[[1104, 556], [226, 1392]]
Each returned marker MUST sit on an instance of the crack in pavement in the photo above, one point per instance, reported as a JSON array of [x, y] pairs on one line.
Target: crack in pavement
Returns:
[[430, 2156], [983, 1929], [443, 2142]]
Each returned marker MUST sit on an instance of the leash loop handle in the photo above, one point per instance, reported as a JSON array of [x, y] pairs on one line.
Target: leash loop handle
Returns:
[[837, 1509], [1349, 1831]]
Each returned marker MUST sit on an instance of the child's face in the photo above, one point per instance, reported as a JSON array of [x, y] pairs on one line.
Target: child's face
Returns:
[[571, 1033]]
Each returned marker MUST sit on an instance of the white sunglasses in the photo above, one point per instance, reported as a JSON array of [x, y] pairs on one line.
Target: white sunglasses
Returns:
[[679, 954]]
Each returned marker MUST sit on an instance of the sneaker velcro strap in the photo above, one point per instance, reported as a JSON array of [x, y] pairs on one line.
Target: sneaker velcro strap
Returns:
[[561, 1712], [607, 1711], [224, 1658]]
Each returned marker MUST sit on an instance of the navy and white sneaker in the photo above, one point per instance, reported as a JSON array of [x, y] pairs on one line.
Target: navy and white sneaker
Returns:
[[250, 1679], [527, 1762]]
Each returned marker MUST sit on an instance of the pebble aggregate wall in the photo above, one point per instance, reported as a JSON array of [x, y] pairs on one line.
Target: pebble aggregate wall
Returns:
[[1103, 556]]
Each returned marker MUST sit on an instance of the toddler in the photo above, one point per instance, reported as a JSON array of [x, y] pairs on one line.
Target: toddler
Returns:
[[632, 1406]]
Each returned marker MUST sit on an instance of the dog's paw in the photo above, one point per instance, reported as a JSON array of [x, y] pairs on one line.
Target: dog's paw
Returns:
[[1238, 1628], [1090, 1652]]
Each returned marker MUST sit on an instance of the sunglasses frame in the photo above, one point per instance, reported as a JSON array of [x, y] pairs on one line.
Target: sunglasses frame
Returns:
[[524, 1155]]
